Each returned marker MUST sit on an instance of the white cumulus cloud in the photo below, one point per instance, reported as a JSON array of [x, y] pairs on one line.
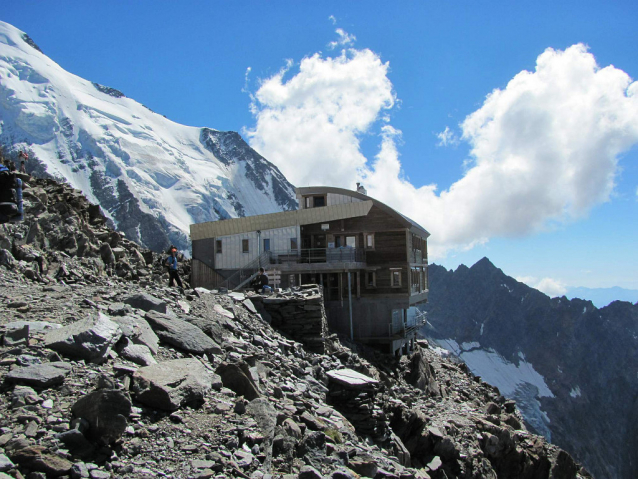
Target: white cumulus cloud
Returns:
[[543, 149], [447, 137], [345, 39], [550, 286]]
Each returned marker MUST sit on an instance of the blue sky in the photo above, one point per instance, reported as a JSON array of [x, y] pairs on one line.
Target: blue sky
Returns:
[[420, 67]]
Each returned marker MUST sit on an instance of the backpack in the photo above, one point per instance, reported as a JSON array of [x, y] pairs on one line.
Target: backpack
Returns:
[[8, 194]]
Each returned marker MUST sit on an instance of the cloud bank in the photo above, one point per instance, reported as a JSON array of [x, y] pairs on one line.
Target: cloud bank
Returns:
[[543, 149]]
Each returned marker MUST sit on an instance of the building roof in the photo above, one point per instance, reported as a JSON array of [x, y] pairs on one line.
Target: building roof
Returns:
[[312, 190], [361, 207]]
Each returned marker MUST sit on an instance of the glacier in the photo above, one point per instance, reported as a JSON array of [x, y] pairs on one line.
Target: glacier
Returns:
[[520, 382], [151, 176]]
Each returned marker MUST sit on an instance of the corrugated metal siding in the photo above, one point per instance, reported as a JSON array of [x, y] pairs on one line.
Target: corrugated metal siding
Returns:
[[232, 256], [335, 199], [279, 220]]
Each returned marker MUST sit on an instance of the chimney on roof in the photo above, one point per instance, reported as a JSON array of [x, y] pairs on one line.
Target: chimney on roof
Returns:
[[361, 189]]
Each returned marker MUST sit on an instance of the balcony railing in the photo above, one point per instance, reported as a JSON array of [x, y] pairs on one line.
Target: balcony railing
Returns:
[[318, 255]]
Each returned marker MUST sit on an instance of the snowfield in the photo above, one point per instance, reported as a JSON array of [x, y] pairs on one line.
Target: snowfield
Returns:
[[116, 150]]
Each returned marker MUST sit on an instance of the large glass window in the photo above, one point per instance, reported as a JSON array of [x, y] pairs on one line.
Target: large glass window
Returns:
[[351, 241], [266, 244], [218, 246], [319, 201], [244, 246]]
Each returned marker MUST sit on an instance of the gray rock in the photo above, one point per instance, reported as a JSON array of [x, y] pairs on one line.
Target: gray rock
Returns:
[[138, 331], [309, 472], [79, 471], [343, 474], [106, 411], [181, 334], [120, 309], [41, 375], [5, 463], [23, 395], [364, 464], [16, 337], [146, 302], [172, 384], [90, 339], [237, 377], [34, 326], [138, 353], [39, 459], [106, 253], [75, 442]]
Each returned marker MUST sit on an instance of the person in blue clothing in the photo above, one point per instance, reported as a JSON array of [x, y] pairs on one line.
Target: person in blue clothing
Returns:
[[171, 262]]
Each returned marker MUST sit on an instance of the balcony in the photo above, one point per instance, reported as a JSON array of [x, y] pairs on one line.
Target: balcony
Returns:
[[317, 259]]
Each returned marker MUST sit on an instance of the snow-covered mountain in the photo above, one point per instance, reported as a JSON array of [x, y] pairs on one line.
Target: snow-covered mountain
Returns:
[[152, 177], [571, 367]]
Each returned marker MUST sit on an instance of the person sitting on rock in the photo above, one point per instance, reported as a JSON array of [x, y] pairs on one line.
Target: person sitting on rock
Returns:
[[260, 280], [171, 262]]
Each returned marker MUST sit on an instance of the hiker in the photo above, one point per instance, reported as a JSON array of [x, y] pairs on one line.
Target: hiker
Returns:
[[10, 195], [171, 262], [260, 280], [23, 167]]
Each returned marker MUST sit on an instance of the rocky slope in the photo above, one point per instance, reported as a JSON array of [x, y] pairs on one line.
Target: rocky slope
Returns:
[[152, 177], [107, 372], [570, 366]]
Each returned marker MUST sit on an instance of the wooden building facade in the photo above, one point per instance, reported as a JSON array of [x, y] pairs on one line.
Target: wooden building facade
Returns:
[[370, 260]]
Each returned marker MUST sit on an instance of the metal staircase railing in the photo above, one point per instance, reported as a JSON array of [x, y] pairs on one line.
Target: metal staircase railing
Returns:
[[247, 272]]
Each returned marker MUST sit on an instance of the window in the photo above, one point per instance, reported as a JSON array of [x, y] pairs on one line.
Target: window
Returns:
[[337, 241], [308, 201], [293, 243], [415, 280], [369, 240], [371, 279], [351, 241], [218, 246], [266, 244], [244, 246], [395, 278], [319, 201]]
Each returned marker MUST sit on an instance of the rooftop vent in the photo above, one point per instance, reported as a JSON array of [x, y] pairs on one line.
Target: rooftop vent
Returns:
[[361, 189]]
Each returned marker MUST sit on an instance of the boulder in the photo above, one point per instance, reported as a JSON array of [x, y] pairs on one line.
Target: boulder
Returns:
[[39, 459], [90, 339], [172, 384], [146, 302], [106, 411], [181, 334], [138, 331], [421, 375], [237, 377], [41, 375], [138, 353]]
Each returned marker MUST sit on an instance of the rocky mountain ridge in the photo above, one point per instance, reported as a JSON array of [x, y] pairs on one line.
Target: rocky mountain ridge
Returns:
[[570, 366], [151, 176], [106, 372]]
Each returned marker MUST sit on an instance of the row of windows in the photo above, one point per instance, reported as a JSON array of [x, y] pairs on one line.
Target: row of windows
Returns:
[[395, 278], [245, 245]]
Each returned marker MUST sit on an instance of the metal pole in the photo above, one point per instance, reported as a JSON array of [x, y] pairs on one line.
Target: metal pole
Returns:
[[259, 248], [350, 307]]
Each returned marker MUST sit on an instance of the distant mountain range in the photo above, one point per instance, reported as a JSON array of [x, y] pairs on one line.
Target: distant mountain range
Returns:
[[152, 177], [572, 368], [603, 296]]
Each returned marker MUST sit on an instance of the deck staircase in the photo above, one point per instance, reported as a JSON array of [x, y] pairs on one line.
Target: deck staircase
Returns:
[[247, 273]]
